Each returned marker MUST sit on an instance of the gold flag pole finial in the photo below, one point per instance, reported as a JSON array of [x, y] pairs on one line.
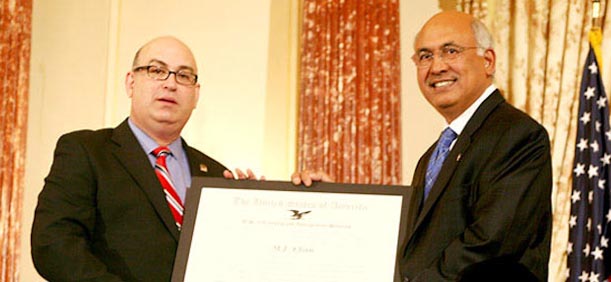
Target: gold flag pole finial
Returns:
[[595, 36], [596, 22]]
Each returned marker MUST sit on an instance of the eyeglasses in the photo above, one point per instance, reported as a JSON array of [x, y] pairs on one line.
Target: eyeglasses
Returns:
[[447, 53], [183, 77]]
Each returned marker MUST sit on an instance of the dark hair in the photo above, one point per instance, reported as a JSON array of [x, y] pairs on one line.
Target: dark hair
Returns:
[[136, 57]]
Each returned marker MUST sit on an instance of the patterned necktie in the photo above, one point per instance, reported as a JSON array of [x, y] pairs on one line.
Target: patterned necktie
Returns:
[[166, 182], [439, 155]]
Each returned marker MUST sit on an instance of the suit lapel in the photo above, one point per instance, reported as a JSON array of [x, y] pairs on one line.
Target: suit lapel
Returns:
[[418, 188], [449, 166], [134, 160], [445, 174], [197, 166]]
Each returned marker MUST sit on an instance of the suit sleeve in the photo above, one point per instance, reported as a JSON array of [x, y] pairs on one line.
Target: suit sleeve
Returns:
[[65, 218], [511, 208]]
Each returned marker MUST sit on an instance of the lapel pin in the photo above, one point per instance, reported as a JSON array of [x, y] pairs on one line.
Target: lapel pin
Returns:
[[458, 157], [203, 168]]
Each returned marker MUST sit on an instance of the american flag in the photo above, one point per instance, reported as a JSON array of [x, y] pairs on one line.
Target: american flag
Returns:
[[588, 256]]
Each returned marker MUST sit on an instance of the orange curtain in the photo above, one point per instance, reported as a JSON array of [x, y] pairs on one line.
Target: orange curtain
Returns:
[[15, 34], [477, 8], [349, 103]]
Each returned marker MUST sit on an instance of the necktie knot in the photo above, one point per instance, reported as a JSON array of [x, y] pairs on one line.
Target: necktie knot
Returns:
[[447, 137], [162, 151]]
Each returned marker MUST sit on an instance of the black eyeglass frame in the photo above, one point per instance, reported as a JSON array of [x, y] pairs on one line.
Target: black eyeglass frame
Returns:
[[148, 73]]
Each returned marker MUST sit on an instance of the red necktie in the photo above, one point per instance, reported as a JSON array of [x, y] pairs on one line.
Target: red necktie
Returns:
[[166, 182]]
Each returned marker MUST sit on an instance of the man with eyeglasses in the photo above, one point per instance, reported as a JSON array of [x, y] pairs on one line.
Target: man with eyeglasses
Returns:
[[111, 206], [483, 191], [487, 193]]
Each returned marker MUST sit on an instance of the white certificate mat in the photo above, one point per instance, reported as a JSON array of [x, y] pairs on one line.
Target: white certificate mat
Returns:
[[275, 231]]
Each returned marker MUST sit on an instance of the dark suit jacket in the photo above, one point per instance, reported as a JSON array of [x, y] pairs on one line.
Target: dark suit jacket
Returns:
[[492, 198], [102, 214]]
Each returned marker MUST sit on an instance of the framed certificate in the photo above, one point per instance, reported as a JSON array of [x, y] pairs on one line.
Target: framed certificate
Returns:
[[275, 231]]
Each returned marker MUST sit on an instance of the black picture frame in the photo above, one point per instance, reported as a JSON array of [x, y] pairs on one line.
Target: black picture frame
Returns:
[[200, 183]]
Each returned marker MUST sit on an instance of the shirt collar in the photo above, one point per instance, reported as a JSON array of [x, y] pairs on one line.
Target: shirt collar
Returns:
[[458, 124], [148, 144]]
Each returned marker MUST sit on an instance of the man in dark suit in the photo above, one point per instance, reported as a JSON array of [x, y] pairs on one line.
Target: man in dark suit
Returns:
[[484, 190], [492, 193], [102, 214]]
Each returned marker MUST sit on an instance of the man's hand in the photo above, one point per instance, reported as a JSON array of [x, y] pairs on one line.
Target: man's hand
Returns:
[[307, 177], [249, 175]]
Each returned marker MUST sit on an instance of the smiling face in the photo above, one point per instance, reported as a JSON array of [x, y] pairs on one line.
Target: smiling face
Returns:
[[451, 86], [161, 108]]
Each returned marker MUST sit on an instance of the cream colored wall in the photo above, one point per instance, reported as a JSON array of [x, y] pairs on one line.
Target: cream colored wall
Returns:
[[67, 91], [246, 52], [421, 124]]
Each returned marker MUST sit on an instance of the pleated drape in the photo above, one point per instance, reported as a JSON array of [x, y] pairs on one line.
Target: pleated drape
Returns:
[[15, 34], [349, 94], [541, 47]]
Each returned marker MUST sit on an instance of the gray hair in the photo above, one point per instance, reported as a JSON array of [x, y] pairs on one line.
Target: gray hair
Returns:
[[482, 37]]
